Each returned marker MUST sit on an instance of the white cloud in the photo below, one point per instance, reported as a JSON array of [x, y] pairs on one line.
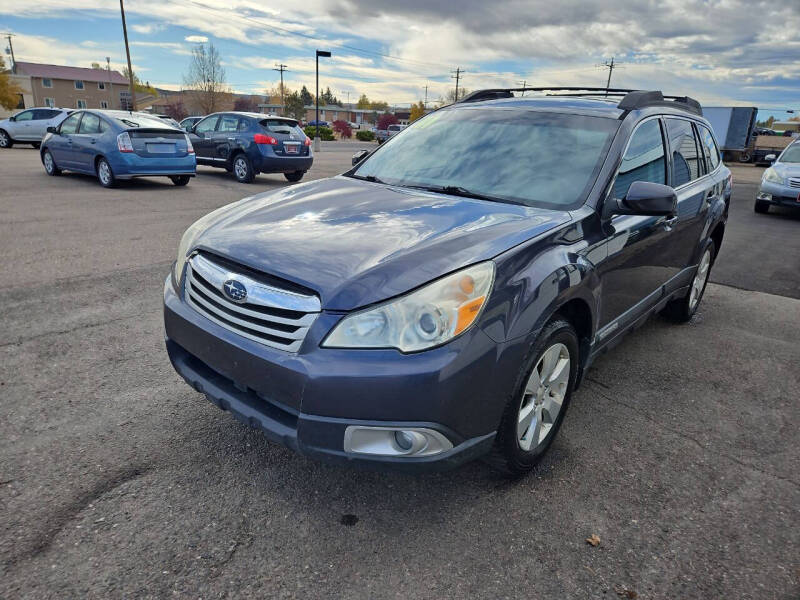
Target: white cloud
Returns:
[[147, 28], [196, 39]]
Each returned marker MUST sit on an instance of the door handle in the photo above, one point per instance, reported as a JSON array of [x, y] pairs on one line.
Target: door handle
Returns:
[[92, 141], [232, 139], [670, 222]]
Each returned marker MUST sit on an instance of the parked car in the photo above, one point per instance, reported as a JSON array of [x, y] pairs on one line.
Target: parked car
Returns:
[[30, 126], [167, 119], [780, 183], [384, 134], [440, 302], [313, 123], [251, 143], [187, 123], [115, 145]]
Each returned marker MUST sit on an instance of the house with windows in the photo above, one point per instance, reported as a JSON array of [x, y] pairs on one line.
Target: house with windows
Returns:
[[70, 87]]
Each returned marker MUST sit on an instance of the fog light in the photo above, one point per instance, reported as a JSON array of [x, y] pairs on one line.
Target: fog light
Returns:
[[764, 196], [394, 441]]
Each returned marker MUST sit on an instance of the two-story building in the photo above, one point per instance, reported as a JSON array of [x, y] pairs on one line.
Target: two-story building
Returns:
[[71, 87]]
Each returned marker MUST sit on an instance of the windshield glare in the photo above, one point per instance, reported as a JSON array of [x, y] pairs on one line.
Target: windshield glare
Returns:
[[791, 155], [535, 158]]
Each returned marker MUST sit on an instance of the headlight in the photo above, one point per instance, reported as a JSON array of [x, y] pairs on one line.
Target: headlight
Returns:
[[772, 176], [428, 317]]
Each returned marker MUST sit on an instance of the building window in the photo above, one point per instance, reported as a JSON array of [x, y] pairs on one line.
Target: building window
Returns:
[[50, 102], [103, 104], [47, 83], [101, 85], [21, 101], [81, 104], [78, 85]]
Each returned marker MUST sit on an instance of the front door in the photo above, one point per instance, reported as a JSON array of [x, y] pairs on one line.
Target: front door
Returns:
[[84, 142], [203, 139], [61, 144], [225, 138], [20, 129], [634, 272]]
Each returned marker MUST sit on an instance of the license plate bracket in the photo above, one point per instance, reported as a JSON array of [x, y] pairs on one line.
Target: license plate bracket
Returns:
[[291, 148], [160, 148]]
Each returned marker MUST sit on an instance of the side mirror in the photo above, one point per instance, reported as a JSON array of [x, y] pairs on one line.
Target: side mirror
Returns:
[[644, 198], [770, 157], [12, 118], [52, 129], [359, 156]]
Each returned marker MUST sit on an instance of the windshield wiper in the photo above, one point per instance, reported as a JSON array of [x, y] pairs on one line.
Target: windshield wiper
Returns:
[[371, 178], [457, 190]]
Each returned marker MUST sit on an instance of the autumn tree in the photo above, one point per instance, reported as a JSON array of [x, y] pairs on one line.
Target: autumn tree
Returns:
[[365, 103], [387, 119], [142, 87], [343, 128], [10, 92], [245, 104], [206, 78], [176, 110], [417, 111]]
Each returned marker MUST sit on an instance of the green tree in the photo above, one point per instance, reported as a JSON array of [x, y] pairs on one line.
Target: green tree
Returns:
[[366, 103], [306, 96], [140, 86], [295, 107], [9, 91]]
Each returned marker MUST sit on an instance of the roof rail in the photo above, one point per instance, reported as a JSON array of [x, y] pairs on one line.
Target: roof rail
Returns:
[[631, 99]]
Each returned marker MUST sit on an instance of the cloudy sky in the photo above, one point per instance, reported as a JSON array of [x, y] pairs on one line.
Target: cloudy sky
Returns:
[[720, 51]]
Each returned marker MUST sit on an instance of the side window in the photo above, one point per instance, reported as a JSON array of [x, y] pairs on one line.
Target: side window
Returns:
[[228, 123], [686, 159], [41, 114], [104, 126], [207, 125], [712, 153], [644, 159], [70, 124], [24, 116], [244, 124], [90, 124]]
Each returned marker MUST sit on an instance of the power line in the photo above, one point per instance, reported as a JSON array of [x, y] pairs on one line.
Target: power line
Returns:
[[523, 83], [610, 65]]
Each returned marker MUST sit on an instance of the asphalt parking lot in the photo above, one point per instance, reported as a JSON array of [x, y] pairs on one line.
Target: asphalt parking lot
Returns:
[[119, 481]]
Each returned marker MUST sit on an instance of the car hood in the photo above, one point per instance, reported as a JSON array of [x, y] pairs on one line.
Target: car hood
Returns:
[[357, 243]]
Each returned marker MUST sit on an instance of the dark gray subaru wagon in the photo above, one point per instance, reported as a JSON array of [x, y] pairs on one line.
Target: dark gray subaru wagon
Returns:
[[441, 301]]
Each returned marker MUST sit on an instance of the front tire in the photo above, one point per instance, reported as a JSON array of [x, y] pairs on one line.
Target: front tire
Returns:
[[294, 176], [105, 175], [761, 207], [243, 169], [180, 180], [681, 310], [536, 410], [5, 139], [50, 164]]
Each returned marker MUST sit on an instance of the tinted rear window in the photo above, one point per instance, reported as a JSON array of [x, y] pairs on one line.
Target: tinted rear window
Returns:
[[281, 126]]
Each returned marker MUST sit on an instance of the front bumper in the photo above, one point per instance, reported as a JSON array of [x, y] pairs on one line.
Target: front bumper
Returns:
[[128, 165], [305, 401], [778, 194]]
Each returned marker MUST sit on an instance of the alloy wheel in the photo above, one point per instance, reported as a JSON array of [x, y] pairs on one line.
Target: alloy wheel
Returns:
[[240, 168], [48, 162], [104, 172], [3, 139], [543, 397], [699, 281]]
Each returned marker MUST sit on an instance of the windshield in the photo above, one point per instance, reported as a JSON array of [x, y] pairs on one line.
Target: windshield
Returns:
[[791, 154], [534, 158]]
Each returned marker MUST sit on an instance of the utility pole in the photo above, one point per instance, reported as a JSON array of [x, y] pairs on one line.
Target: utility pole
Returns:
[[523, 83], [610, 66], [110, 85], [11, 49], [282, 68], [324, 54], [425, 104], [458, 73], [128, 54]]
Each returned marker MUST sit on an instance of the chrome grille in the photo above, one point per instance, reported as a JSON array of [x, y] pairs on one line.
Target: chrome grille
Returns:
[[271, 316], [794, 182]]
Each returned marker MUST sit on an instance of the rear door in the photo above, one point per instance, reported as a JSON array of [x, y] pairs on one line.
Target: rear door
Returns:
[[696, 189], [634, 273], [41, 119], [61, 143], [203, 139]]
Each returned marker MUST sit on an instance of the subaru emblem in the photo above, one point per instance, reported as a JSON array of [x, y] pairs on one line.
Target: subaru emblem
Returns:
[[235, 290]]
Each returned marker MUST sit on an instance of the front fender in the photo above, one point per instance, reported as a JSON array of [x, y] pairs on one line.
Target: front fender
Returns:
[[532, 285]]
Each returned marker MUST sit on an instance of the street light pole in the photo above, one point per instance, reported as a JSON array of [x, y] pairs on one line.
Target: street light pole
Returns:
[[324, 54], [131, 85]]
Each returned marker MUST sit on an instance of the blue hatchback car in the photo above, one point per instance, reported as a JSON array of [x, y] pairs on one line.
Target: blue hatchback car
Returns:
[[116, 145]]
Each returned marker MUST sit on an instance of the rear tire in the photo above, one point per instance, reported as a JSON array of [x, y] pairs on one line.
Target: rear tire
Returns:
[[105, 175], [681, 310], [761, 207], [50, 166], [180, 180], [5, 140], [294, 176], [243, 169], [535, 412]]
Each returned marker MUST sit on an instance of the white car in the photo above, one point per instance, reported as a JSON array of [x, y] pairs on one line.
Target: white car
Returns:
[[29, 126]]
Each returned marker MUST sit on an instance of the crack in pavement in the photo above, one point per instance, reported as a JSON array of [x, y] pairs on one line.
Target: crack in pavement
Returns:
[[22, 340], [690, 438]]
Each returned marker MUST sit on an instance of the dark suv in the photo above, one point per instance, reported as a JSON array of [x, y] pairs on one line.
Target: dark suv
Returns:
[[441, 302], [251, 143]]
